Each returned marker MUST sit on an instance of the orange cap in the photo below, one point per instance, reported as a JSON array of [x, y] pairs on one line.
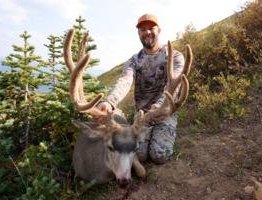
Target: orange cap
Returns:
[[147, 18]]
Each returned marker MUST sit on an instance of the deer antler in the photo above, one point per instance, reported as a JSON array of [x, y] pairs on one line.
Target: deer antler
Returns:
[[170, 106], [76, 86]]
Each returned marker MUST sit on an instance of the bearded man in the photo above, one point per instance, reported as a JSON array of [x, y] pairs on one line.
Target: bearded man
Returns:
[[147, 69]]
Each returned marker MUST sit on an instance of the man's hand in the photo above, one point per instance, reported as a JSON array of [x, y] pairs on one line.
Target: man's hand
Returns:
[[106, 107], [154, 106]]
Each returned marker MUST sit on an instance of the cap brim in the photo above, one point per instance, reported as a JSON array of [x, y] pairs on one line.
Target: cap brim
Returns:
[[139, 24]]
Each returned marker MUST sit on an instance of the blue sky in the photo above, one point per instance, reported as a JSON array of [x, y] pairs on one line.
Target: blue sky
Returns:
[[111, 23]]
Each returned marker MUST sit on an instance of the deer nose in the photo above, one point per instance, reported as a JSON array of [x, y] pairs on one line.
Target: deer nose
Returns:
[[123, 181]]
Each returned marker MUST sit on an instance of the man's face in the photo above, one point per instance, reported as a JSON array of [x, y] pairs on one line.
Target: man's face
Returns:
[[148, 33]]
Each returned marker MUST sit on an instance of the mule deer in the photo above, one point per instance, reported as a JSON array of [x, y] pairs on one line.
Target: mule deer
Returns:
[[105, 151]]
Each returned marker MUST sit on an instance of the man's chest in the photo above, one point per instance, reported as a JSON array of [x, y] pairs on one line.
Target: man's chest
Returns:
[[151, 69]]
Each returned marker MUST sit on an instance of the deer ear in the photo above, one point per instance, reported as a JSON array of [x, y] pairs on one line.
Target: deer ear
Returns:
[[92, 129], [86, 125], [80, 125]]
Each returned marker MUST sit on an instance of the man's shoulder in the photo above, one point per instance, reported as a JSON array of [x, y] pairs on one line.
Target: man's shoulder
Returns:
[[133, 60], [135, 57], [138, 55]]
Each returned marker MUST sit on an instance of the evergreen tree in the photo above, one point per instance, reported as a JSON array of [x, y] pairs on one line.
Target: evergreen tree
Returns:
[[19, 85], [55, 53]]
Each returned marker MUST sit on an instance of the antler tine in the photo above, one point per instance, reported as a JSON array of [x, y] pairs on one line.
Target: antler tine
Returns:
[[83, 45], [81, 54], [67, 51], [189, 59], [170, 71], [183, 92], [76, 86], [138, 121], [75, 81], [172, 82]]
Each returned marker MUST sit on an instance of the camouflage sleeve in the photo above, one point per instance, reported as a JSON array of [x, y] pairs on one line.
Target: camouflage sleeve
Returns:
[[179, 62], [123, 84]]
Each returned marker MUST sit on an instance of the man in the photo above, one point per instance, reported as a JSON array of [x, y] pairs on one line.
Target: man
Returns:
[[148, 69]]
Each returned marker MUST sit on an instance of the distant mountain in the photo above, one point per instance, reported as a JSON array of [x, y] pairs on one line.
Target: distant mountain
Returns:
[[44, 89], [4, 68]]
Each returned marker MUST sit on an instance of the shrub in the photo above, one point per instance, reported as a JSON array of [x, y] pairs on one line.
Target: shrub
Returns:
[[222, 102]]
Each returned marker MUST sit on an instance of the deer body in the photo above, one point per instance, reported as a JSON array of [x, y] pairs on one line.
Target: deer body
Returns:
[[107, 150]]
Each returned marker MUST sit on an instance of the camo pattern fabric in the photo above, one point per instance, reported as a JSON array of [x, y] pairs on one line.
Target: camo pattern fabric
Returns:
[[159, 141], [149, 73]]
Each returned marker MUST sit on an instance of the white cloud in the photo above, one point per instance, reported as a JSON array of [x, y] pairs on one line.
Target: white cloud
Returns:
[[11, 11], [66, 8]]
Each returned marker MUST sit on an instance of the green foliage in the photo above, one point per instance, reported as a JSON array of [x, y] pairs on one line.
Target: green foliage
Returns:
[[36, 172], [42, 188], [80, 30], [85, 190], [223, 102], [251, 22], [6, 146], [55, 55], [227, 59], [256, 80], [39, 171], [18, 89], [215, 49]]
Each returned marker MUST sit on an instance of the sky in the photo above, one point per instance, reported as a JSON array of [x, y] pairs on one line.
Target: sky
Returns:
[[111, 23]]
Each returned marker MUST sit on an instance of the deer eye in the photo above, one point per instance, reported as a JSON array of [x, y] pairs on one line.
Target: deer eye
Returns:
[[110, 148], [137, 147]]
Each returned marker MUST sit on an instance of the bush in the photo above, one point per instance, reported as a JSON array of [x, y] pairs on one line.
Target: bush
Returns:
[[225, 101]]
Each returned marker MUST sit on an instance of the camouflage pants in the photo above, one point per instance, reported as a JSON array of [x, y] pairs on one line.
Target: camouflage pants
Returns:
[[159, 141]]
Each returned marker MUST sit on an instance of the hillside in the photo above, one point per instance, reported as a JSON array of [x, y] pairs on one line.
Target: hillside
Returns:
[[207, 165], [218, 148]]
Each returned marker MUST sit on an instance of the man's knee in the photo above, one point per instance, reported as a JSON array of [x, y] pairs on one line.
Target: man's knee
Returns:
[[160, 155], [162, 143]]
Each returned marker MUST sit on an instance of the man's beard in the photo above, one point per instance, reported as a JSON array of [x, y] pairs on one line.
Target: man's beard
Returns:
[[148, 44]]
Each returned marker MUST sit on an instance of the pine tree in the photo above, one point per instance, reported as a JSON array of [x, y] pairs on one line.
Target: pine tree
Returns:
[[80, 30], [19, 85], [55, 54]]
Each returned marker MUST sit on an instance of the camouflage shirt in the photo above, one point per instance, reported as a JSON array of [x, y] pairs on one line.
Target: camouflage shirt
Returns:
[[149, 73]]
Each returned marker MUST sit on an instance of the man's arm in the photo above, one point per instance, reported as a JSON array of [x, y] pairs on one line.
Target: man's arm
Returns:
[[123, 85]]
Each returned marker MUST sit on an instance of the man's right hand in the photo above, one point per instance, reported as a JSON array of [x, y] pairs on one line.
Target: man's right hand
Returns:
[[105, 107]]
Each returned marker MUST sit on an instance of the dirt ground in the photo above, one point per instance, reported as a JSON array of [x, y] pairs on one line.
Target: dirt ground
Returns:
[[207, 166]]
